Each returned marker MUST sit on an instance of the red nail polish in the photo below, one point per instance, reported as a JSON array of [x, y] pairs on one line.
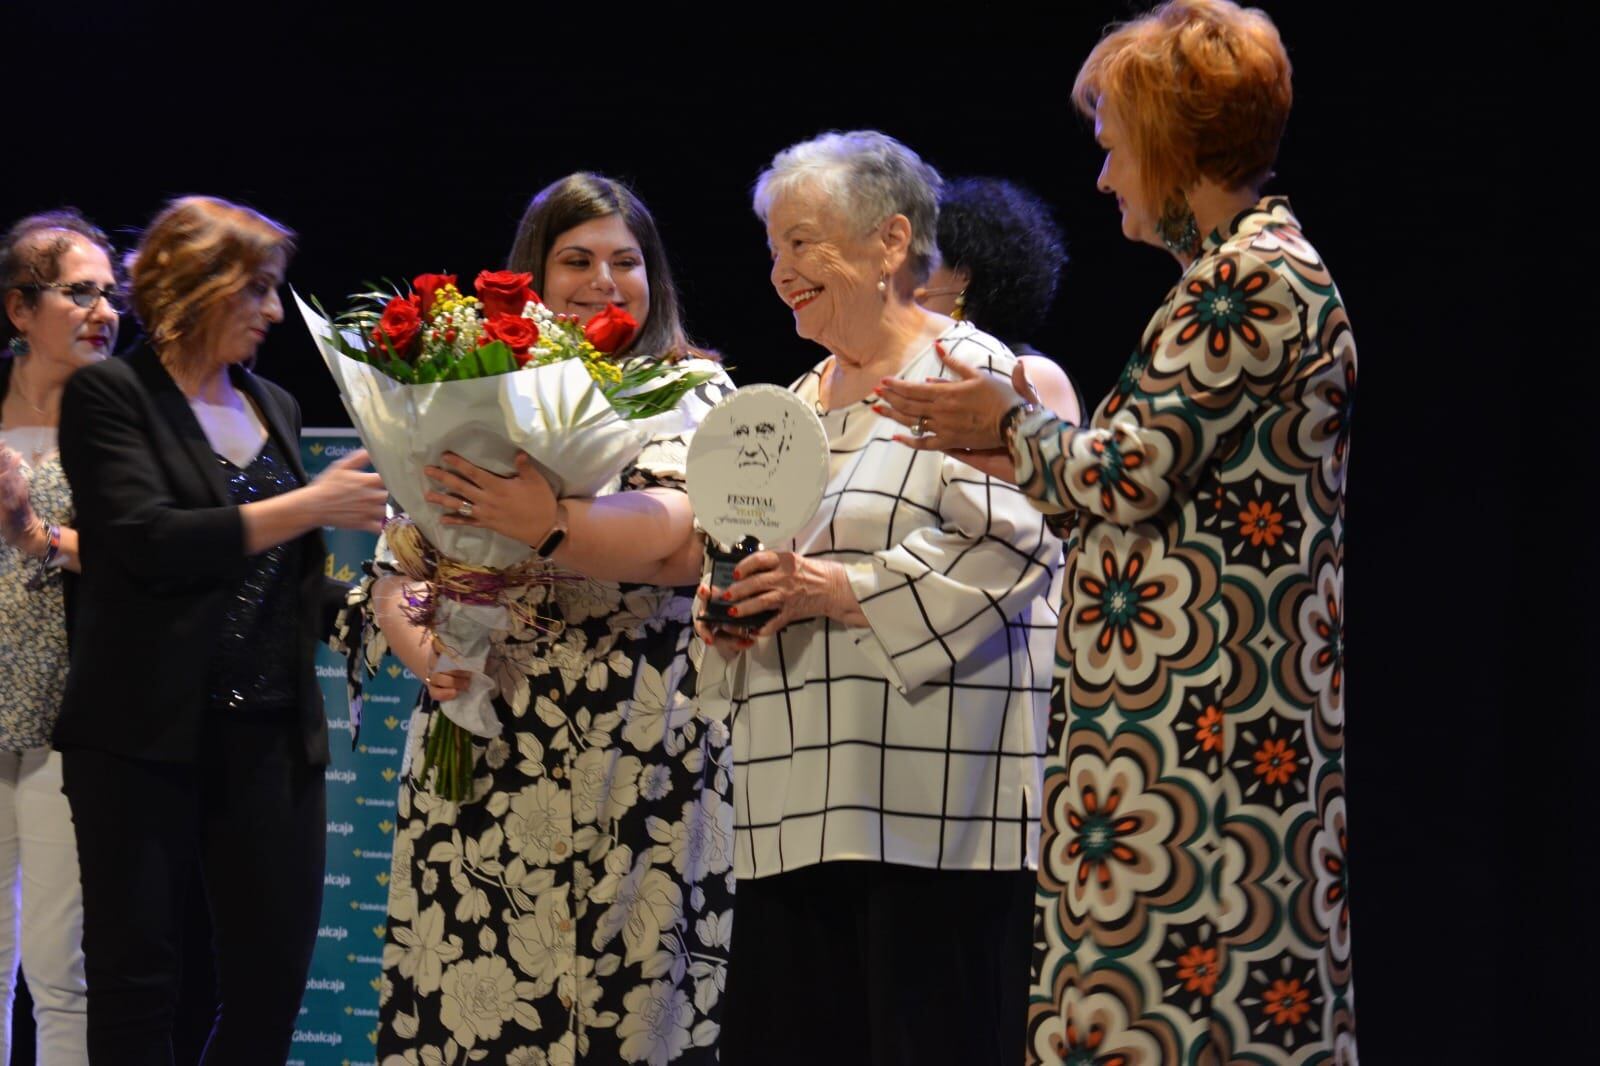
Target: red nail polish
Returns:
[[727, 595], [736, 575], [733, 612]]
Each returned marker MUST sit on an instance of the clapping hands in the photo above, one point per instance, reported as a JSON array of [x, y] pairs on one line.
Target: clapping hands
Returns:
[[19, 526]]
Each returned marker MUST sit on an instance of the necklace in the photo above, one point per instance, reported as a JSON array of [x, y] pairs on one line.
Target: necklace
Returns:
[[15, 384]]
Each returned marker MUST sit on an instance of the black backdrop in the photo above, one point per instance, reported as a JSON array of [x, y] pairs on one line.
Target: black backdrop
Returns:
[[397, 143]]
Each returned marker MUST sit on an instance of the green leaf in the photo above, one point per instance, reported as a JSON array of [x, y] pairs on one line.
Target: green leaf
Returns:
[[659, 400], [496, 358]]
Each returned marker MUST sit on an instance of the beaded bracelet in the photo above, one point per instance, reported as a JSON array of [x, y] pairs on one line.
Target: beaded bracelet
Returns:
[[49, 560]]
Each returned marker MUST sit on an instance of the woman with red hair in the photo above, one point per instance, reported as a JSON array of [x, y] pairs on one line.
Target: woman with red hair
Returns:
[[192, 733], [1192, 870]]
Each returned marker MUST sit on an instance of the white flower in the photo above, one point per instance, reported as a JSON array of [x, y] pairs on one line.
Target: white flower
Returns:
[[641, 608], [569, 657], [540, 821], [526, 1056], [478, 999], [604, 785], [564, 1052], [420, 950], [701, 842], [646, 902], [496, 752], [656, 1027], [656, 706], [655, 782], [544, 942], [715, 930], [581, 600], [589, 992], [402, 887]]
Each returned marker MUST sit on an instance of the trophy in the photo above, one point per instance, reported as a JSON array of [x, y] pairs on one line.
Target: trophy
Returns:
[[758, 464]]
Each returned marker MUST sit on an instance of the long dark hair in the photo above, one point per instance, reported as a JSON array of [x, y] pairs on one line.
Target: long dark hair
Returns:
[[583, 197]]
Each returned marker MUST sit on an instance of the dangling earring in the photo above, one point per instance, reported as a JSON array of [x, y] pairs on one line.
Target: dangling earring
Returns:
[[959, 311], [883, 286], [18, 345], [1177, 226]]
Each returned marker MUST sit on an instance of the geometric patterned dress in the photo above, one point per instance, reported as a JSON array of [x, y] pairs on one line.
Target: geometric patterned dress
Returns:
[[1193, 900]]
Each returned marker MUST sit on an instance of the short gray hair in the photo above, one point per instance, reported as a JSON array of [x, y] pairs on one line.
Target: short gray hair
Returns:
[[869, 176]]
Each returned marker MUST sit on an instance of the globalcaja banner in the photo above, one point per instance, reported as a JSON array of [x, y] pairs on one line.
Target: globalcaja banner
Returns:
[[339, 1015]]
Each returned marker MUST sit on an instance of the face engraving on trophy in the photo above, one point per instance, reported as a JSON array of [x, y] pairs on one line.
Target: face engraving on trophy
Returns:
[[761, 444]]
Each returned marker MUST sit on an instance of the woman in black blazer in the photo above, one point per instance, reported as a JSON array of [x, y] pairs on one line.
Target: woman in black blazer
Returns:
[[192, 729]]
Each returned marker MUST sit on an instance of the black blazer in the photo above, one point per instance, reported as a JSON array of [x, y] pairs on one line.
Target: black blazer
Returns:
[[162, 548]]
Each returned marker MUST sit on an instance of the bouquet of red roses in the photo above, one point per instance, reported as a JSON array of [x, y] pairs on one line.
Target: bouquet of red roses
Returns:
[[485, 376]]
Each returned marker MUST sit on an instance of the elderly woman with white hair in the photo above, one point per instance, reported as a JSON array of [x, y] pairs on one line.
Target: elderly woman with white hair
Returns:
[[889, 720]]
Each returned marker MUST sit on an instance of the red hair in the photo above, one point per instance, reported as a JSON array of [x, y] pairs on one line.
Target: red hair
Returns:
[[194, 255], [1201, 88]]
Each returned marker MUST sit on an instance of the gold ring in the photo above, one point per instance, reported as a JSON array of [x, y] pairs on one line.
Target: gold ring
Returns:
[[922, 425]]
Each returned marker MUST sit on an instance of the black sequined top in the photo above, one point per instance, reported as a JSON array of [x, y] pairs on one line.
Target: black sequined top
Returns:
[[253, 662]]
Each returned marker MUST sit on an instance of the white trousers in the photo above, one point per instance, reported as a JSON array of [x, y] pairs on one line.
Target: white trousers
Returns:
[[41, 907]]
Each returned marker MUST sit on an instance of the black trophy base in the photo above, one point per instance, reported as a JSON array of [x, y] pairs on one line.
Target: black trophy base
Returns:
[[722, 567]]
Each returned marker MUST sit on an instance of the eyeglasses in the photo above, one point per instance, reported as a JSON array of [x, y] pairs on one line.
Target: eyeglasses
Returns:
[[84, 293]]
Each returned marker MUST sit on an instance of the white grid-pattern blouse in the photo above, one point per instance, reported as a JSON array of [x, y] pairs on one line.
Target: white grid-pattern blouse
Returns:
[[918, 740]]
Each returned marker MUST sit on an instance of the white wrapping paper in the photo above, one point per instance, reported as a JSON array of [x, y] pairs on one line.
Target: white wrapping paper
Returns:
[[554, 413]]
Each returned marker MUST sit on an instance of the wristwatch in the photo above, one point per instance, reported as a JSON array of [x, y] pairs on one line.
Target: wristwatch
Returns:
[[552, 540]]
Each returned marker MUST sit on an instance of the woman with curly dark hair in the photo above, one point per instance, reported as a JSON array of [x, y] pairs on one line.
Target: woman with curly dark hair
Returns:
[[1001, 256], [1000, 260]]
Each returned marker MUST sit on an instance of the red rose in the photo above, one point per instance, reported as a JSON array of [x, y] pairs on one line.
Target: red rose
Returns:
[[611, 329], [425, 285], [504, 292], [401, 323], [515, 332]]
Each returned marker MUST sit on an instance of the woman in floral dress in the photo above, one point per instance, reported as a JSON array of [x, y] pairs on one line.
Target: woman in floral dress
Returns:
[[1193, 891], [577, 907]]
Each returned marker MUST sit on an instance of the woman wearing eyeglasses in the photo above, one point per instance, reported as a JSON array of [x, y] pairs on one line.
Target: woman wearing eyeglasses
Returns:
[[59, 290]]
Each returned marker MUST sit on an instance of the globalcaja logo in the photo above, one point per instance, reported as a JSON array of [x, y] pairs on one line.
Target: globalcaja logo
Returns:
[[325, 984], [343, 829], [344, 777], [336, 880], [333, 451], [302, 1036], [332, 932], [333, 672]]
